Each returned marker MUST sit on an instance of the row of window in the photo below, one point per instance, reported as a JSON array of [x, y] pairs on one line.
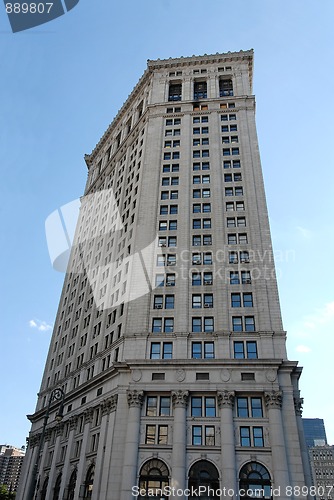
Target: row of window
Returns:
[[204, 324], [234, 258], [205, 350], [205, 406], [203, 300], [199, 90]]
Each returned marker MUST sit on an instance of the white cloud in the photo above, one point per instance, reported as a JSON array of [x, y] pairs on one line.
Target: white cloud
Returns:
[[42, 326], [304, 232], [303, 348]]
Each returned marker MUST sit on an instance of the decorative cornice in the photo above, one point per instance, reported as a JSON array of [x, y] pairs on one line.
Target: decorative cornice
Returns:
[[180, 398], [109, 405], [298, 405], [135, 398], [226, 399], [273, 399]]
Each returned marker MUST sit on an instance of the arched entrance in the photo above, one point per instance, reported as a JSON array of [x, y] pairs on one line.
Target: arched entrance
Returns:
[[57, 488], [71, 485], [154, 477], [254, 481], [205, 475]]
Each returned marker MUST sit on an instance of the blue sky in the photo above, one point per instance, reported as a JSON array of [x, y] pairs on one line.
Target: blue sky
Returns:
[[62, 84]]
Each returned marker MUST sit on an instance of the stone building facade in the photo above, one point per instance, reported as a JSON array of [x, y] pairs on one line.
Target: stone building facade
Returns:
[[168, 341], [322, 468]]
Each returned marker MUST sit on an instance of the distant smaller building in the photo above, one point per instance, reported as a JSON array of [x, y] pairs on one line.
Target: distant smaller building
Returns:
[[322, 467], [11, 460], [314, 431]]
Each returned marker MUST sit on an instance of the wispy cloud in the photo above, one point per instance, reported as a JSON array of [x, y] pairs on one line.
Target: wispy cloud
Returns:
[[303, 348], [304, 232], [42, 326]]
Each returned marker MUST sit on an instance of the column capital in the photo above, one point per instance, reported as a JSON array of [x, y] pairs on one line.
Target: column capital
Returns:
[[108, 405], [73, 422], [273, 399], [135, 398], [48, 434], [88, 415], [226, 399], [298, 401], [180, 398], [59, 429]]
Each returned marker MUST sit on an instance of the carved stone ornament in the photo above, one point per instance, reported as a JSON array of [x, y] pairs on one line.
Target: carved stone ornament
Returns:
[[73, 422], [273, 399], [60, 428], [109, 405], [298, 405], [88, 414], [180, 398], [226, 399], [48, 434], [34, 440], [135, 398]]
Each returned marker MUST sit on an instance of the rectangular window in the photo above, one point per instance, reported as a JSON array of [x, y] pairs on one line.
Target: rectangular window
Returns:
[[242, 407], [245, 436], [208, 325], [170, 280], [164, 406], [168, 325], [207, 259], [210, 407], [157, 303], [196, 325], [152, 406], [251, 349], [200, 90], [256, 408], [242, 238], [237, 323], [234, 278], [196, 279], [162, 434], [156, 325], [169, 302], [249, 324], [155, 350], [175, 92], [248, 299], [196, 301], [235, 300], [150, 434], [239, 351], [197, 435], [172, 225], [258, 436]]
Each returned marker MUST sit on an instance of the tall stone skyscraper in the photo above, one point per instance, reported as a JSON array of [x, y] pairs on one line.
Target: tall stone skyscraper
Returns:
[[168, 342]]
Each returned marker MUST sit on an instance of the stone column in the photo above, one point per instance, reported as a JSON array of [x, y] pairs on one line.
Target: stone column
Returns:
[[28, 466], [53, 471], [228, 459], [273, 402], [66, 468], [104, 451], [129, 477], [305, 457], [88, 415], [180, 402]]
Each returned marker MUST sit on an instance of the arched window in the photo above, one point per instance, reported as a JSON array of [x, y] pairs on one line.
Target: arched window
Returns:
[[153, 477], [57, 488], [71, 485], [204, 473], [45, 487], [89, 482], [254, 481]]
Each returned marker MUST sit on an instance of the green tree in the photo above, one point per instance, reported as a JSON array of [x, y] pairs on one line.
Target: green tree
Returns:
[[5, 494]]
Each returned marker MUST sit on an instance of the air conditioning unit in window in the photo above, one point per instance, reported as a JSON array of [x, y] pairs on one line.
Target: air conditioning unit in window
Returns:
[[163, 244], [207, 305], [170, 263], [158, 306], [248, 281], [169, 284], [208, 282], [197, 263], [244, 261]]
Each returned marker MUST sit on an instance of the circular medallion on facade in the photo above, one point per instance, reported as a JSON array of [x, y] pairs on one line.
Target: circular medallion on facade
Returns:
[[225, 375], [271, 375], [180, 375], [136, 375]]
